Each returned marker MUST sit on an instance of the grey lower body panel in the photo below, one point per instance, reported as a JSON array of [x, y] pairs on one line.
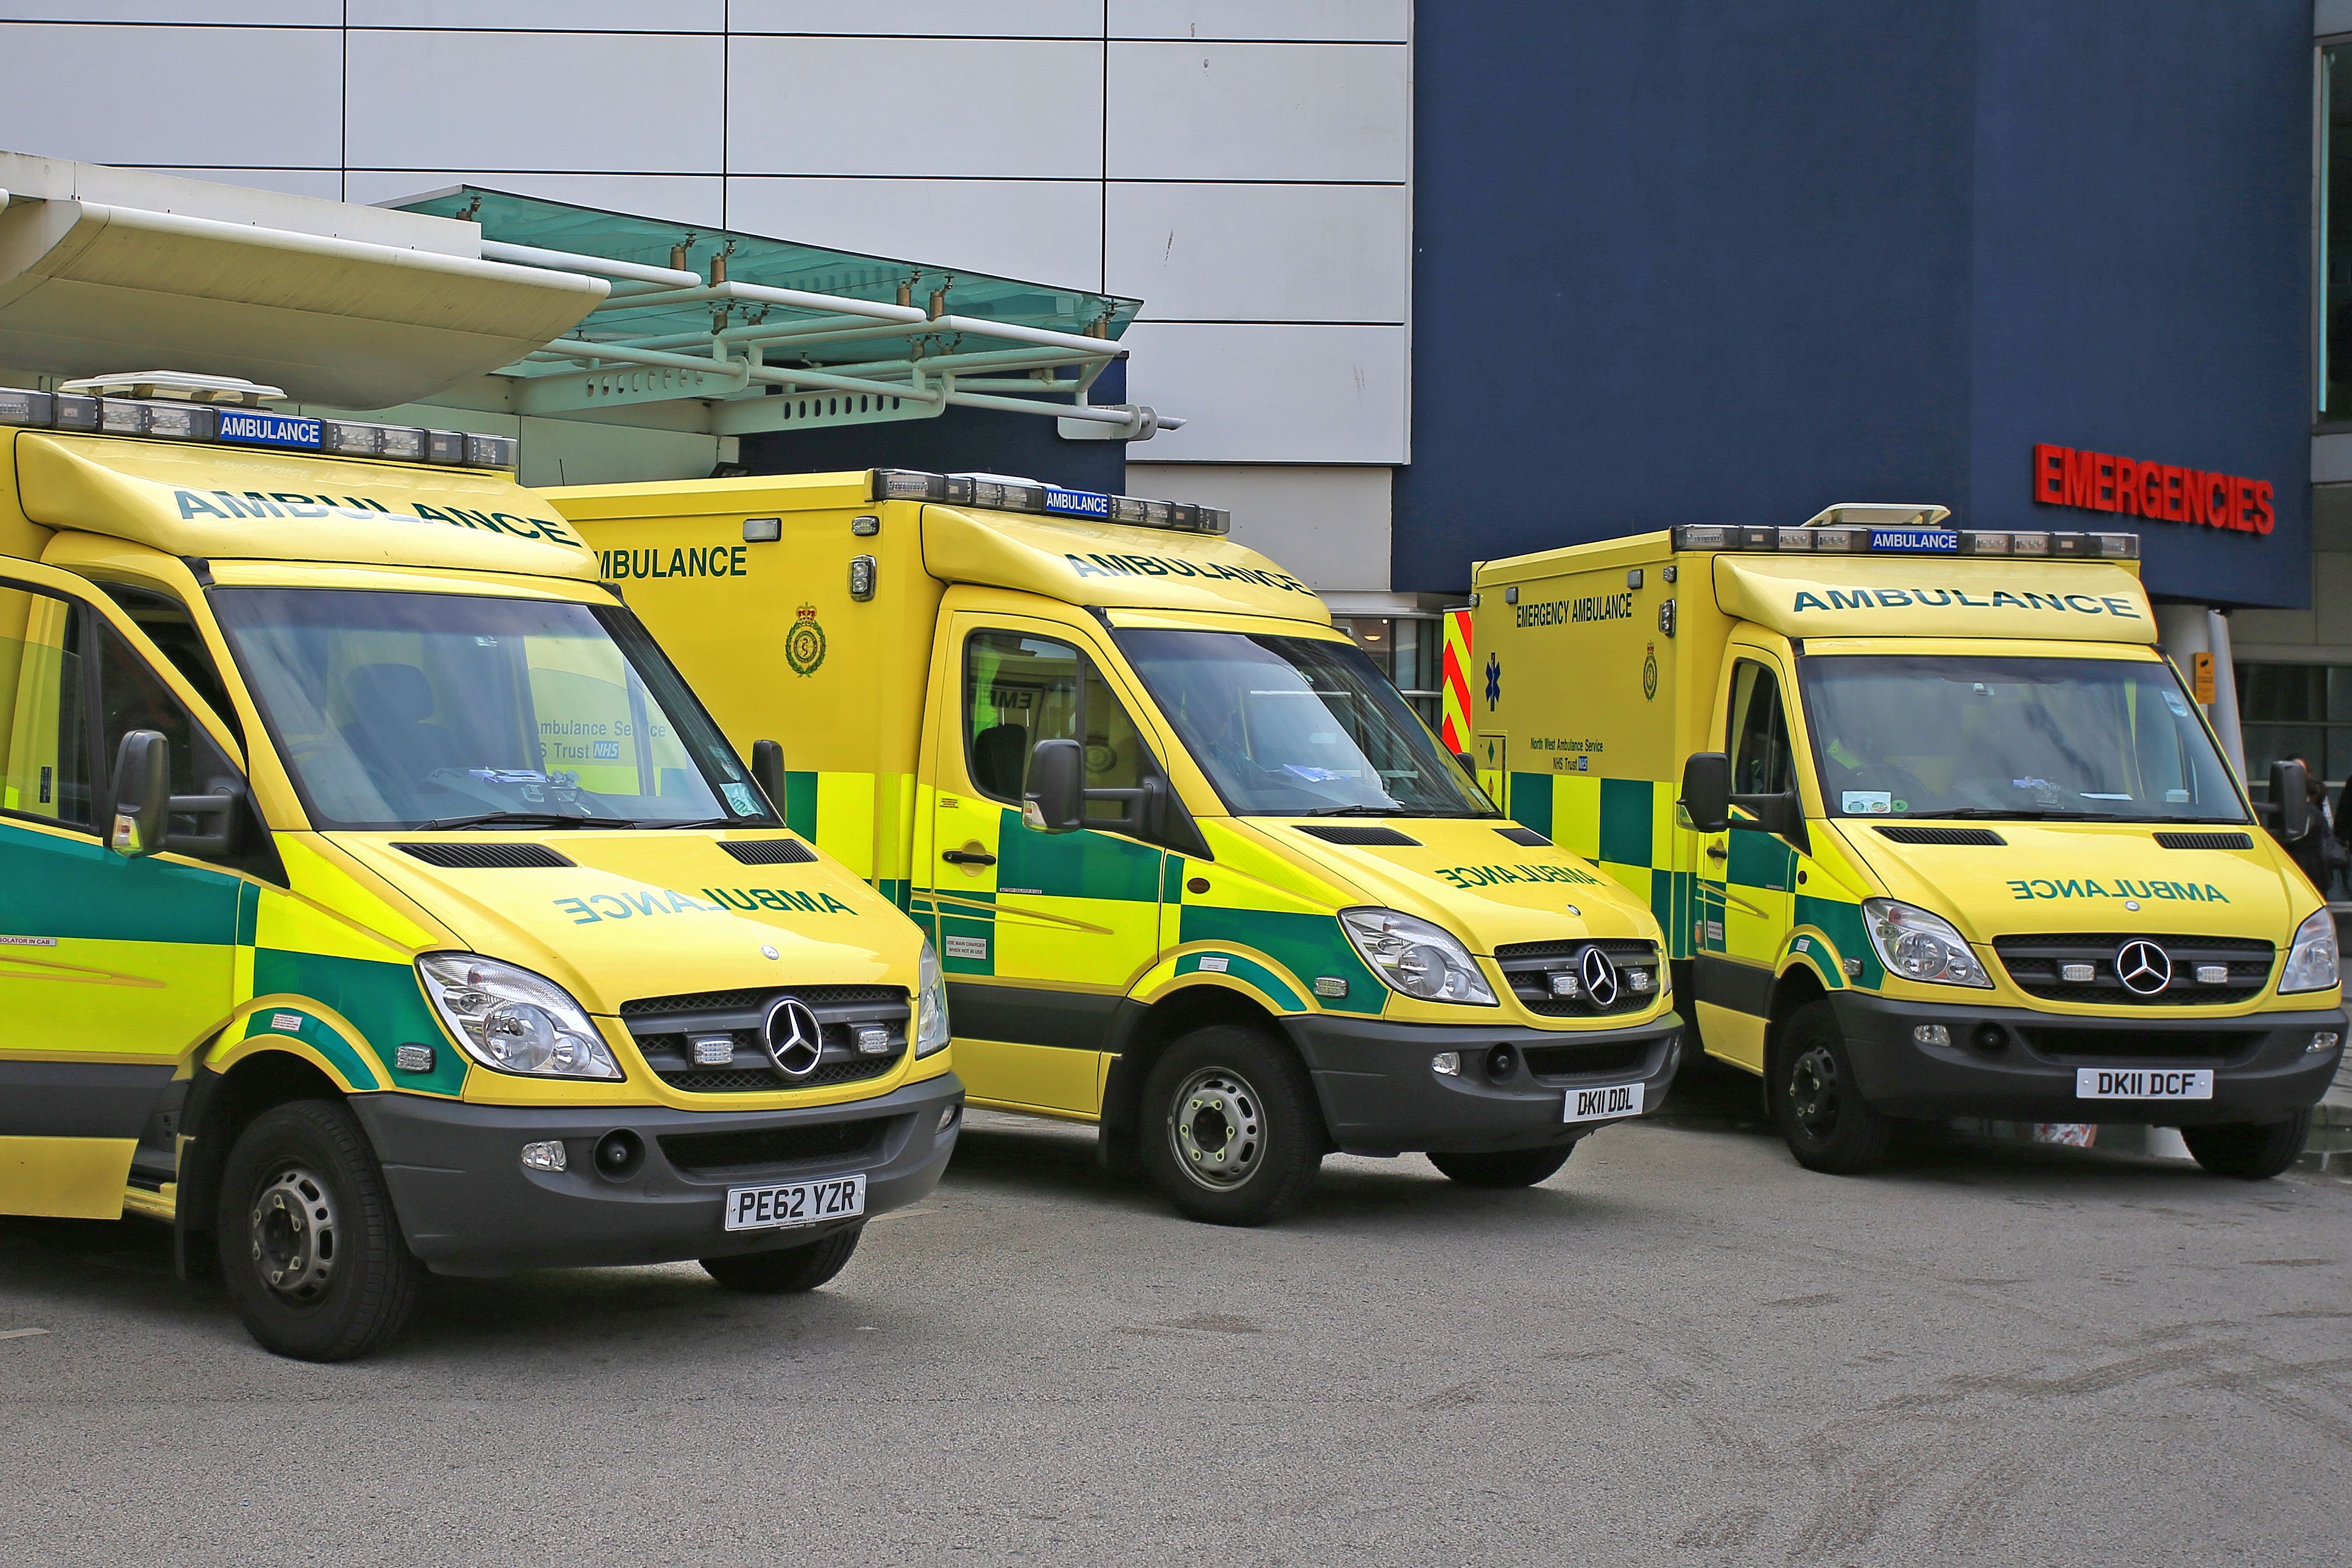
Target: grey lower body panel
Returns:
[[1380, 1096], [467, 1205], [2012, 1064]]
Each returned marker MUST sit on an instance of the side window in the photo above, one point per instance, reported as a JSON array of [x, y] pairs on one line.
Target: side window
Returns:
[[1760, 734], [169, 627], [1019, 690], [44, 709]]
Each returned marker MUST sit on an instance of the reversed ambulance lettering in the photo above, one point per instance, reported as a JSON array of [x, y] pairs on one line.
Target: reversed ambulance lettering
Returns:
[[1172, 566], [227, 505], [598, 907], [1489, 876], [2091, 888]]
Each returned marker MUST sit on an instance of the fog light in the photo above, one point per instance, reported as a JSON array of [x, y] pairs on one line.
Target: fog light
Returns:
[[1991, 1039], [1448, 1064], [1931, 1035], [947, 1117], [2325, 1040], [1501, 1062], [546, 1156]]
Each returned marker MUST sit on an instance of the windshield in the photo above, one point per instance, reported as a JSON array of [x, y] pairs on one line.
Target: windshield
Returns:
[[408, 711], [1298, 727], [1927, 735]]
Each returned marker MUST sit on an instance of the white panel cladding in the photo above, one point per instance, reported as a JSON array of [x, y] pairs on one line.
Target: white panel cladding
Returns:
[[541, 101], [272, 94], [1259, 111], [971, 107], [186, 12], [1273, 393], [687, 198], [544, 15], [1304, 21], [917, 18], [1046, 230], [1328, 527], [327, 184], [1262, 253]]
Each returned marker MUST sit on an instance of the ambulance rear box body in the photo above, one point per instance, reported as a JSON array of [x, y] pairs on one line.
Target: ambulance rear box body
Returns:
[[375, 896], [1981, 855], [1195, 870]]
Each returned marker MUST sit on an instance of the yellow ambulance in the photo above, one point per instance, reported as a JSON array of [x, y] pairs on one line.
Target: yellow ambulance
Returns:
[[1195, 871], [375, 896], [1932, 828]]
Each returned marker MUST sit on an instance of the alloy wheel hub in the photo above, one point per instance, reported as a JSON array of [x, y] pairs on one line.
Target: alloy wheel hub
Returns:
[[1218, 1127], [294, 1234]]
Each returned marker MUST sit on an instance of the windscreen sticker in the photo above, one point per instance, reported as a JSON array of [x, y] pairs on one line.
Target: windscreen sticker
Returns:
[[2091, 888], [739, 796], [1869, 801], [226, 506], [1937, 598], [598, 906], [1488, 876]]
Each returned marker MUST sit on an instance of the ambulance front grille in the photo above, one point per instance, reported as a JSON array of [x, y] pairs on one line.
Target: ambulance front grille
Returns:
[[748, 1152], [2038, 965], [1530, 965], [666, 1029]]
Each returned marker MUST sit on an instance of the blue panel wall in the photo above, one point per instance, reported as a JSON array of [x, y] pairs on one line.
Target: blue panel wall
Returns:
[[1693, 262]]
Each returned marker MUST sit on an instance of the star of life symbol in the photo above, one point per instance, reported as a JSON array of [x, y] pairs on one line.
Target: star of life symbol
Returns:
[[1493, 681]]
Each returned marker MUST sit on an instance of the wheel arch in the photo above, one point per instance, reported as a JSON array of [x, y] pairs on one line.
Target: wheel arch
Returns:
[[1796, 988], [1144, 1032], [221, 1103]]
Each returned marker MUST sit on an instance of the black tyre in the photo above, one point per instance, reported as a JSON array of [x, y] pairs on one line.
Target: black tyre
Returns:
[[1818, 1102], [788, 1270], [309, 1249], [1512, 1168], [1230, 1130], [2251, 1151]]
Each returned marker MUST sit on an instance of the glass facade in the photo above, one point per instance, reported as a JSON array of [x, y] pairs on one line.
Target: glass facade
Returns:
[[2297, 711], [1409, 649]]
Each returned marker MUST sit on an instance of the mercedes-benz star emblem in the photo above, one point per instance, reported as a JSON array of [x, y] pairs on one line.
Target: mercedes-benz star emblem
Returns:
[[2143, 967], [796, 1040], [1600, 977]]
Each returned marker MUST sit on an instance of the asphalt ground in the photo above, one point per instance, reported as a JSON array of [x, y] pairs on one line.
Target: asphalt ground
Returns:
[[1680, 1349]]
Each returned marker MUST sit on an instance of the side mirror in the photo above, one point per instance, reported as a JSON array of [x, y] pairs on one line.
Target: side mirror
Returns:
[[1056, 802], [1469, 764], [1780, 814], [141, 809], [768, 772], [1707, 790], [2290, 797]]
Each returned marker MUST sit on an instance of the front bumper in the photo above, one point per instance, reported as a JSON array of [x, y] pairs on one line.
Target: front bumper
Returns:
[[2262, 1067], [467, 1205], [1380, 1095]]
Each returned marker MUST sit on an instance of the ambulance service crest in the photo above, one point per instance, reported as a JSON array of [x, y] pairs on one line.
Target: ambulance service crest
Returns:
[[1650, 673], [805, 644]]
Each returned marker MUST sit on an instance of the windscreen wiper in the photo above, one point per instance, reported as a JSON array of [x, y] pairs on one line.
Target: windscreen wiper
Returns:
[[520, 819], [2005, 814], [710, 822], [1358, 811]]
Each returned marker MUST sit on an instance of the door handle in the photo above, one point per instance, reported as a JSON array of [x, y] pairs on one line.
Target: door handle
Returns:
[[1717, 852], [967, 858]]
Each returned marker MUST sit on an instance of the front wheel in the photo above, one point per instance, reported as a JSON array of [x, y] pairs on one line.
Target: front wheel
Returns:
[[788, 1270], [1818, 1102], [2251, 1151], [309, 1249], [1230, 1134], [1514, 1168]]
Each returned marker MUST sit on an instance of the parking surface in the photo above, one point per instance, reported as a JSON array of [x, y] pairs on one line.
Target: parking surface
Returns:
[[1682, 1350]]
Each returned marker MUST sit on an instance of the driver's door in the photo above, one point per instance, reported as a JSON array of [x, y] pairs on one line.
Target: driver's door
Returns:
[[1749, 878], [1041, 934]]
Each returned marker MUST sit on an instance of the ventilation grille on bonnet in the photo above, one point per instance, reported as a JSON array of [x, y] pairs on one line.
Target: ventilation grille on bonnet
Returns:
[[1906, 834], [484, 857], [768, 851], [1527, 836], [1369, 835], [2206, 840]]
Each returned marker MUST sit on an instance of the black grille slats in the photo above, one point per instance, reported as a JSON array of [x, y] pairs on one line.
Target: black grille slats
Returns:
[[1906, 833], [664, 1030], [487, 856], [769, 851], [1581, 1060], [1529, 966], [746, 1152], [2157, 1045], [2037, 965], [1527, 836], [1368, 835], [2205, 840]]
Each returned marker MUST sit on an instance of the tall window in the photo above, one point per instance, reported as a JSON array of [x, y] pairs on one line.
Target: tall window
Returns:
[[2295, 710], [1408, 650], [2336, 234]]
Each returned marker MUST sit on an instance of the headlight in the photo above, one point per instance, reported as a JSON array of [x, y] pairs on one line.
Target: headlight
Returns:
[[514, 1021], [1918, 945], [2311, 962], [930, 1004], [1416, 957]]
